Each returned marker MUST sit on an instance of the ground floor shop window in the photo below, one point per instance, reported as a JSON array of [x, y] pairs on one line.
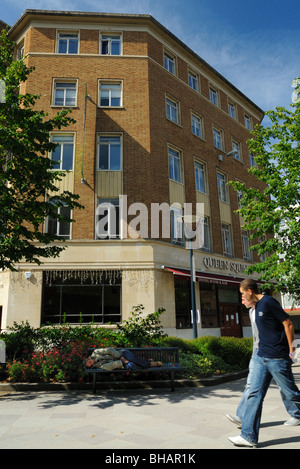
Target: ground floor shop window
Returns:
[[183, 303], [209, 308], [81, 296]]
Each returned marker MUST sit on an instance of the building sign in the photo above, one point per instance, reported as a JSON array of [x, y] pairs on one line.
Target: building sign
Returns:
[[221, 264]]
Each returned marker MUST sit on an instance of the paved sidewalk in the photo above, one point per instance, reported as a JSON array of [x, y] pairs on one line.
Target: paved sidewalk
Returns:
[[189, 418]]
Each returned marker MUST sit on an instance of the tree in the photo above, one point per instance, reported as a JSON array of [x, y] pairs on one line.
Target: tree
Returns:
[[272, 217], [26, 175]]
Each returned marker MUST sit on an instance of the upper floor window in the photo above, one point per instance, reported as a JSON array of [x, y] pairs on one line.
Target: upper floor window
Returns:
[[231, 110], [110, 94], [172, 110], [226, 239], [200, 177], [213, 96], [109, 153], [62, 156], [197, 126], [218, 138], [108, 219], [175, 165], [59, 225], [252, 160], [111, 44], [222, 189], [247, 122], [193, 81], [177, 227], [68, 43], [169, 63], [64, 93], [246, 246]]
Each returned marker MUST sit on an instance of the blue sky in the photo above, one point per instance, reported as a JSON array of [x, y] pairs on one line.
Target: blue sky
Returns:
[[254, 44]]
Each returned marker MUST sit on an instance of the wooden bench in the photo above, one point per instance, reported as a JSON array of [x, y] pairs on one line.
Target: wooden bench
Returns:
[[169, 356]]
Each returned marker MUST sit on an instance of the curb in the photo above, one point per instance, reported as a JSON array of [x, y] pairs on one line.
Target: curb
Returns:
[[123, 385]]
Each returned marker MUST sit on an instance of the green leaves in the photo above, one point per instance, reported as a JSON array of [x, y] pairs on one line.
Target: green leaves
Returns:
[[25, 169], [274, 213]]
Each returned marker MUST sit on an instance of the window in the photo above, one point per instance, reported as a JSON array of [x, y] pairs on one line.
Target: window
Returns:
[[174, 165], [193, 81], [236, 147], [213, 96], [197, 127], [177, 227], [200, 177], [209, 302], [56, 225], [20, 52], [108, 219], [183, 302], [247, 122], [206, 235], [222, 190], [218, 140], [252, 160], [81, 296], [172, 110], [109, 153], [68, 43], [169, 63], [64, 93], [246, 246], [231, 110], [62, 156], [110, 94], [111, 44], [226, 239]]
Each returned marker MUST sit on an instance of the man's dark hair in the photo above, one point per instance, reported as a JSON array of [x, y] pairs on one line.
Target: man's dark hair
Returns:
[[249, 284]]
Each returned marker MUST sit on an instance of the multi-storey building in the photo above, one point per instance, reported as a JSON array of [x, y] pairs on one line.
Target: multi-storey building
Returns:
[[154, 126]]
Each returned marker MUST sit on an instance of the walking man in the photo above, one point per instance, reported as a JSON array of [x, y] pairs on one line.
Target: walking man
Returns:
[[273, 360]]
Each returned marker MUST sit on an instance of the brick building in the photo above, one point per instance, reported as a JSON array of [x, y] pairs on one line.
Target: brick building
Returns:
[[154, 125]]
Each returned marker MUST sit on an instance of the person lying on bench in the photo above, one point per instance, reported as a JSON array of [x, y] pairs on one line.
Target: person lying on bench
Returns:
[[110, 359]]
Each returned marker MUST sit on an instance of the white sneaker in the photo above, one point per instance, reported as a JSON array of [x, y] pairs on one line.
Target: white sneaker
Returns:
[[234, 419], [240, 441], [292, 422]]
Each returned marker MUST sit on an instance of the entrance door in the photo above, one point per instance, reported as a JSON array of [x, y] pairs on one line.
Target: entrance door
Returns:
[[230, 320]]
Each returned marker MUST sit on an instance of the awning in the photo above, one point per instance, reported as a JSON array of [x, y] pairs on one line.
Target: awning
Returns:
[[205, 277]]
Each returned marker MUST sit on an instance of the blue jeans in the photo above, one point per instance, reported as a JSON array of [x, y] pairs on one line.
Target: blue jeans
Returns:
[[290, 406], [264, 369]]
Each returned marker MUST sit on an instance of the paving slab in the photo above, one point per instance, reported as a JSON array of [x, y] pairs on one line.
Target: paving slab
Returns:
[[189, 419]]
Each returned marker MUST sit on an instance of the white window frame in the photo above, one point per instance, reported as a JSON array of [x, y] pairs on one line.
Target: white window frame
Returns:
[[172, 110], [246, 246], [110, 38], [170, 63], [175, 162], [218, 138], [109, 143], [206, 231], [226, 239], [232, 109], [214, 96], [68, 36], [60, 223], [222, 187], [112, 206], [197, 125], [113, 83], [193, 80], [64, 81], [177, 227], [200, 177], [248, 123], [61, 144]]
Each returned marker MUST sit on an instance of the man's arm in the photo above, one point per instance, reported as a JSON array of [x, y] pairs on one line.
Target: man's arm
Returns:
[[289, 332]]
